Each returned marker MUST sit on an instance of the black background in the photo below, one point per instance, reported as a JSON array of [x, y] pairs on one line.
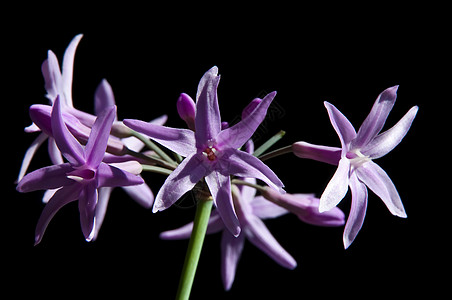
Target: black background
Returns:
[[344, 55]]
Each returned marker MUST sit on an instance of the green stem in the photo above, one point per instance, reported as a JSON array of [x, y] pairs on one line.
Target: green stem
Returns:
[[264, 147], [277, 152], [260, 188], [156, 169], [153, 147], [151, 159], [202, 216]]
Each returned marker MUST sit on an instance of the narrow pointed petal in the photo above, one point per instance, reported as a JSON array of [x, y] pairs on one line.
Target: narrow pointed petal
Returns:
[[342, 125], [141, 193], [336, 188], [68, 68], [103, 97], [265, 209], [181, 141], [98, 138], [110, 176], [388, 140], [180, 181], [237, 135], [87, 207], [231, 250], [376, 119], [52, 76], [51, 177], [214, 225], [54, 152], [67, 143], [246, 165], [220, 188], [101, 209], [60, 198], [258, 234], [30, 153], [357, 212], [329, 155], [207, 120], [379, 182]]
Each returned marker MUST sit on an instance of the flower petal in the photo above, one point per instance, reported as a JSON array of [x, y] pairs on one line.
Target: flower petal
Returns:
[[110, 176], [103, 97], [388, 140], [379, 182], [46, 178], [330, 155], [181, 180], [231, 250], [181, 141], [242, 164], [30, 153], [68, 66], [265, 209], [357, 212], [87, 207], [258, 234], [214, 225], [237, 135], [141, 193], [98, 138], [336, 188], [220, 189], [60, 198], [207, 120], [67, 143], [376, 118], [52, 76], [101, 209], [342, 125]]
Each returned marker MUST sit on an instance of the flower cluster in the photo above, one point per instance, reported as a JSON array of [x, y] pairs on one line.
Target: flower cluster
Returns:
[[92, 154]]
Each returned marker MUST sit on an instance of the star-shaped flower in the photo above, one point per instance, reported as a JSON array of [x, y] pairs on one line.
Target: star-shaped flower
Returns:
[[356, 168], [82, 176], [210, 153]]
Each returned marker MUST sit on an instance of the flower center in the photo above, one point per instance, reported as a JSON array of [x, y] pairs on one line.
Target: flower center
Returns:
[[210, 152], [81, 174], [357, 159]]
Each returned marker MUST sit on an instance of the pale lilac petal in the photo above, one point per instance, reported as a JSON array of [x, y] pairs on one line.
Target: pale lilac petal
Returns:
[[87, 207], [181, 141], [103, 98], [246, 165], [237, 135], [60, 198], [388, 140], [357, 212], [207, 120], [48, 194], [336, 188], [54, 152], [29, 155], [231, 250], [68, 67], [51, 177], [330, 155], [265, 209], [52, 76], [101, 209], [141, 193], [98, 138], [311, 215], [374, 122], [379, 182], [250, 107], [67, 143], [258, 234], [342, 125], [180, 181], [220, 189], [110, 176], [214, 225]]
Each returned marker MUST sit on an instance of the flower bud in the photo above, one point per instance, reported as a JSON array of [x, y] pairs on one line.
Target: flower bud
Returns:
[[250, 107], [186, 109], [306, 208], [330, 155]]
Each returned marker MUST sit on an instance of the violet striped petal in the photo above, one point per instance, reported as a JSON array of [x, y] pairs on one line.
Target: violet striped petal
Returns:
[[336, 188], [342, 125]]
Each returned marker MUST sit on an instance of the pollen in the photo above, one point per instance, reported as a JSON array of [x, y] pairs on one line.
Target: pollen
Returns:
[[210, 153]]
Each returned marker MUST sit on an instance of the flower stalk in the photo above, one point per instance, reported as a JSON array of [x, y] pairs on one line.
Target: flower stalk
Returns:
[[202, 216]]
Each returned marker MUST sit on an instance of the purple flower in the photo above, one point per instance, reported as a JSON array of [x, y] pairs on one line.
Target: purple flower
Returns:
[[210, 152], [250, 211], [355, 166], [81, 177]]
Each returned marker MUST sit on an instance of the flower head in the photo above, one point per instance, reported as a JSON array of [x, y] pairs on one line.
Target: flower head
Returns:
[[210, 152], [356, 168], [82, 176]]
